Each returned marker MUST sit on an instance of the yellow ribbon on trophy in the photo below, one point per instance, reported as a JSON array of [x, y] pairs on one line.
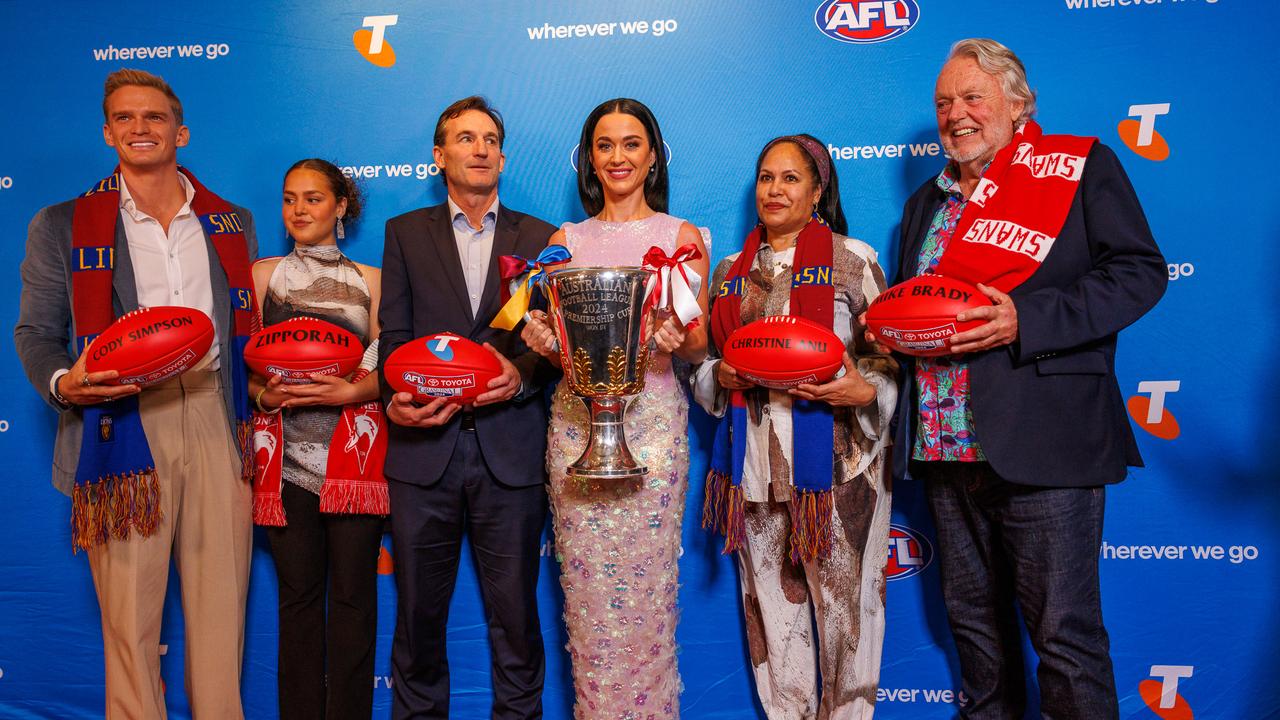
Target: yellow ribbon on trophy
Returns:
[[518, 278]]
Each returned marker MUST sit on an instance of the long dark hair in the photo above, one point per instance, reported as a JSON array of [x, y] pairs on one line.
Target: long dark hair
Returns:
[[829, 202], [340, 185], [655, 184]]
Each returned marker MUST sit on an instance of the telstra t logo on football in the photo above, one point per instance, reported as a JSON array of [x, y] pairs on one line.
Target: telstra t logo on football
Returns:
[[866, 21], [1162, 695], [1150, 413], [1141, 135], [439, 346], [372, 44]]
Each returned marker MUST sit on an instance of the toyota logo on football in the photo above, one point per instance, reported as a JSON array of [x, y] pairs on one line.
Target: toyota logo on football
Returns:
[[909, 553], [866, 21]]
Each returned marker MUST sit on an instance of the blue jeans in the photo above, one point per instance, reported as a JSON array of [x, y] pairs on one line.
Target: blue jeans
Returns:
[[998, 543]]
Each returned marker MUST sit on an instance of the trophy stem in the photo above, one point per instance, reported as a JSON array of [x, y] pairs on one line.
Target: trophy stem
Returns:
[[606, 455]]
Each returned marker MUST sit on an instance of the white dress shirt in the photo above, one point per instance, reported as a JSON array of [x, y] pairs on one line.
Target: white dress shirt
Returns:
[[170, 268], [474, 248]]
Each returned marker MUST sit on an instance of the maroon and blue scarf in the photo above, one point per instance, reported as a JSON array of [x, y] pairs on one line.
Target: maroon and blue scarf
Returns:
[[812, 297], [117, 490]]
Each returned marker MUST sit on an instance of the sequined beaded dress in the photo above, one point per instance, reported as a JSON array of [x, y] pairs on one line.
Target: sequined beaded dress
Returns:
[[618, 541]]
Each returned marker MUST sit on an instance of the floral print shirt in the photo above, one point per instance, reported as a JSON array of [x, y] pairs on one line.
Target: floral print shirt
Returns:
[[944, 421]]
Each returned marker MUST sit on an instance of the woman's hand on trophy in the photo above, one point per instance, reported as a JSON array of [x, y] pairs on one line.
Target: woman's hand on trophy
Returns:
[[729, 378], [539, 336], [670, 334], [848, 390]]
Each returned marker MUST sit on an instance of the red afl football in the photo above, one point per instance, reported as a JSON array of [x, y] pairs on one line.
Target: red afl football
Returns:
[[783, 351], [151, 345], [299, 347], [443, 365], [918, 317]]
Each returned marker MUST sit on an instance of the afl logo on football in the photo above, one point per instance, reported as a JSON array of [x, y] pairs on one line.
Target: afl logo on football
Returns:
[[909, 553], [866, 21]]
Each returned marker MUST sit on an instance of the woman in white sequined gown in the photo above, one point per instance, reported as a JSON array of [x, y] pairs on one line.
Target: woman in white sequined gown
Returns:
[[618, 541]]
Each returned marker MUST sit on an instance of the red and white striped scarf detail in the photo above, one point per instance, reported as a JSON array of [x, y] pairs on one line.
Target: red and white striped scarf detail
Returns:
[[1017, 210]]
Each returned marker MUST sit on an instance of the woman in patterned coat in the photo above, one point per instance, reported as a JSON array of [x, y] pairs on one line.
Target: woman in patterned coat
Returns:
[[809, 521]]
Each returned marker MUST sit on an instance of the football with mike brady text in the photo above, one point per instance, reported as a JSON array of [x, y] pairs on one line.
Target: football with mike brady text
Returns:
[[783, 351], [151, 345], [918, 317], [443, 365], [300, 347]]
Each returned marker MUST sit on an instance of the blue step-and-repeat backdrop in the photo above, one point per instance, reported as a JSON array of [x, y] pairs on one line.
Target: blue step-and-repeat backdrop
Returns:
[[1184, 90]]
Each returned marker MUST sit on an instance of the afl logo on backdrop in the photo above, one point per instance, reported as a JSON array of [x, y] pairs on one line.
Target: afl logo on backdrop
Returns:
[[909, 553], [866, 21]]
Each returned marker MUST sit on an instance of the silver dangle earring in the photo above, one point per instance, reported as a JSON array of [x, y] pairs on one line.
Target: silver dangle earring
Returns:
[[342, 232]]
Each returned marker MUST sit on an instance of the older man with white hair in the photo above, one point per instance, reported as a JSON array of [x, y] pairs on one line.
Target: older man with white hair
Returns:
[[1019, 430]]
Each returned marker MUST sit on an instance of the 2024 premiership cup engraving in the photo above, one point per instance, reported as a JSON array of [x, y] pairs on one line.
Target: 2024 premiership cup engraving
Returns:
[[602, 322]]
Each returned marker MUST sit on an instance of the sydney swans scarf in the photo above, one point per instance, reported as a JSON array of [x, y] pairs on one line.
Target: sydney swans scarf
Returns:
[[353, 479], [1017, 209], [116, 488], [812, 297]]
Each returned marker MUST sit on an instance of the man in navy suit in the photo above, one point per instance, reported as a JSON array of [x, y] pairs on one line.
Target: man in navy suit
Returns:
[[1017, 433], [450, 469]]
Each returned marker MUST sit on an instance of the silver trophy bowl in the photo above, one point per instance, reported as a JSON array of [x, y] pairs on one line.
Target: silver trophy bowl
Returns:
[[602, 324]]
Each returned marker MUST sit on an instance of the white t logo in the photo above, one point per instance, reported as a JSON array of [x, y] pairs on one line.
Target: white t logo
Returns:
[[1146, 115], [442, 342], [1158, 389], [1169, 675], [380, 23]]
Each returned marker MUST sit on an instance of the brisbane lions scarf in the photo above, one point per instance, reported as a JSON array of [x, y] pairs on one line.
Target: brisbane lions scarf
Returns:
[[353, 479], [1017, 209], [116, 490], [812, 297]]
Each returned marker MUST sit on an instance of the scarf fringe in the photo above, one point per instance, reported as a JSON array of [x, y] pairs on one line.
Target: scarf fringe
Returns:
[[713, 501], [723, 510], [114, 507], [244, 436], [357, 497], [810, 525], [268, 510]]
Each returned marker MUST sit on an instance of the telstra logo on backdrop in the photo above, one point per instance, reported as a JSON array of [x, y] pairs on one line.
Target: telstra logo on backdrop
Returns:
[[372, 43], [909, 553], [1141, 135], [1162, 697], [866, 21], [1150, 413]]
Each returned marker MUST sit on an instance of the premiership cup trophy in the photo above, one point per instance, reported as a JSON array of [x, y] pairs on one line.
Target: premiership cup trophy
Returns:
[[602, 320]]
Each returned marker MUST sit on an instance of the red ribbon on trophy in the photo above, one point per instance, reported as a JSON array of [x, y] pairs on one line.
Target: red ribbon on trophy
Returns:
[[674, 285]]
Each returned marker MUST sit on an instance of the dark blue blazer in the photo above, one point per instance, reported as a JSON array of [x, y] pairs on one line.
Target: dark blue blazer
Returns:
[[1047, 409], [424, 292]]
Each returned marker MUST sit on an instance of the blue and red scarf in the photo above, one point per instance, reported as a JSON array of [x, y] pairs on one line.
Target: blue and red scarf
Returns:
[[116, 490], [813, 423]]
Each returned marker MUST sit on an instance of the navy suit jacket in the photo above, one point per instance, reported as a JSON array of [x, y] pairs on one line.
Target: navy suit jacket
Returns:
[[1047, 410], [424, 292]]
